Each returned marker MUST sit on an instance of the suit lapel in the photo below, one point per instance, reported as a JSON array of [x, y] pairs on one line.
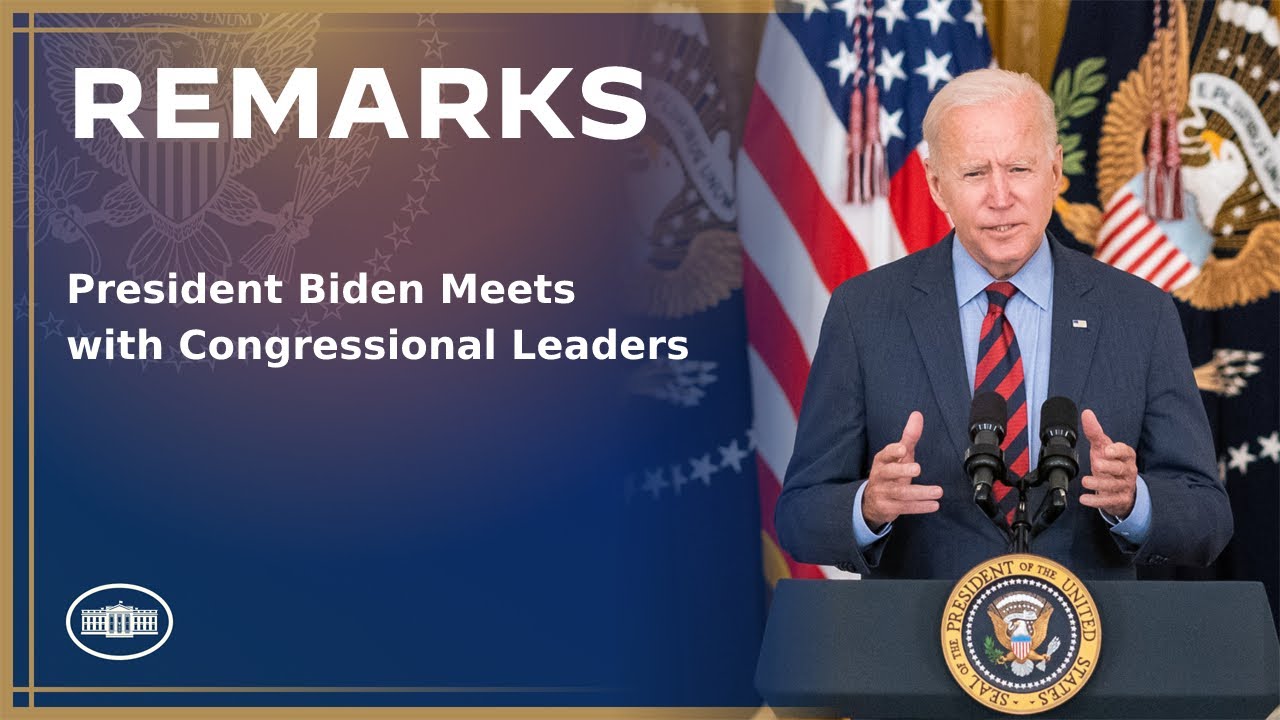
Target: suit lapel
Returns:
[[935, 325], [1076, 323]]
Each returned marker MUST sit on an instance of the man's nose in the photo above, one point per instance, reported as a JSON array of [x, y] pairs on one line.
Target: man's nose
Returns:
[[999, 192]]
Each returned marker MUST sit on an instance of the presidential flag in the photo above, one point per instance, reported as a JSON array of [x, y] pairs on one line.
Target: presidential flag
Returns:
[[1168, 116], [831, 183]]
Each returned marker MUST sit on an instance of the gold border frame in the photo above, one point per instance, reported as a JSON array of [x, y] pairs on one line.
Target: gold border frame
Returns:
[[7, 327]]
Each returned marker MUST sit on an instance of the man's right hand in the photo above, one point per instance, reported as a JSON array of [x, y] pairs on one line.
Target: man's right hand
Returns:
[[889, 492]]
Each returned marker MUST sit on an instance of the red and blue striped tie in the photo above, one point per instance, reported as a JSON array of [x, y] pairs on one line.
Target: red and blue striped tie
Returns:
[[1000, 370]]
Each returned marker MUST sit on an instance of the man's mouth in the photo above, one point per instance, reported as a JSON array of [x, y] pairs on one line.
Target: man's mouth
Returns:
[[1002, 228]]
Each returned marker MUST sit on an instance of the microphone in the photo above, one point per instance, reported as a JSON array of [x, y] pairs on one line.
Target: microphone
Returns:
[[984, 460], [1058, 459]]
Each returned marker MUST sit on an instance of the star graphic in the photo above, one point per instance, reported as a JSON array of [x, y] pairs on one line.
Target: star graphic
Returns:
[[24, 307], [426, 19], [852, 9], [890, 68], [891, 13], [846, 63], [333, 310], [426, 176], [653, 482], [413, 205], [891, 125], [399, 235], [752, 439], [52, 326], [811, 5], [938, 12], [678, 479], [434, 46], [302, 325], [731, 456], [434, 146], [271, 333], [935, 68], [976, 18], [1270, 447], [380, 262], [175, 359], [1240, 458], [703, 469]]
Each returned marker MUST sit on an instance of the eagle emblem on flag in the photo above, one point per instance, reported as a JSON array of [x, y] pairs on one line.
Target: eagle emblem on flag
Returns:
[[1021, 624], [1190, 203], [174, 188]]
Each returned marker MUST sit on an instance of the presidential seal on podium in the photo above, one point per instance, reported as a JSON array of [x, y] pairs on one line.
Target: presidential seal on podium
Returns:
[[1021, 634]]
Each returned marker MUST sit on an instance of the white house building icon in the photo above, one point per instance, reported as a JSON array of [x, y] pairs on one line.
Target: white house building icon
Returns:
[[119, 621]]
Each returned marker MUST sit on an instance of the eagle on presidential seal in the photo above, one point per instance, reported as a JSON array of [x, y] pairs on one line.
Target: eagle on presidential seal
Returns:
[[176, 186], [1021, 624], [1221, 247]]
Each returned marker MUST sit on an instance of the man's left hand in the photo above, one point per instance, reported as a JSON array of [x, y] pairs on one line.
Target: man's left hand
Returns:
[[1114, 481]]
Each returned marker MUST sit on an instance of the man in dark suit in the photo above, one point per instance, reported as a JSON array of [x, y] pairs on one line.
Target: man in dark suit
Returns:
[[876, 483]]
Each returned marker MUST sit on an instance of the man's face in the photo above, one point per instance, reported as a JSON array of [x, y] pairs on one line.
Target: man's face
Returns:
[[996, 179]]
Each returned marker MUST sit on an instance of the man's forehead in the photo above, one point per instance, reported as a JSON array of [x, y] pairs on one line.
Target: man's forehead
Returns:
[[982, 162]]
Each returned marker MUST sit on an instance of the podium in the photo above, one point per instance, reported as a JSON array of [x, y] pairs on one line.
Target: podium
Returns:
[[869, 649]]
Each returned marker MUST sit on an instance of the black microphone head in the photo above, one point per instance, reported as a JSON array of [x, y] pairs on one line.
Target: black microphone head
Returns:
[[1058, 418], [988, 408]]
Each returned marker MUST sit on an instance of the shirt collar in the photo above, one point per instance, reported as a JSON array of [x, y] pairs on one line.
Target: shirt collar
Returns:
[[1035, 279]]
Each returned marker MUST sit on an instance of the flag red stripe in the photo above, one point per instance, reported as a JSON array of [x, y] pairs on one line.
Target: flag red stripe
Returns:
[[1173, 281], [1147, 227], [920, 222], [1155, 273], [773, 336], [767, 141], [1133, 266], [1115, 233]]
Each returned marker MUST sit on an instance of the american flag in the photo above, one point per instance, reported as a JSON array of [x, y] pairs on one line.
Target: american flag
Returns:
[[801, 237]]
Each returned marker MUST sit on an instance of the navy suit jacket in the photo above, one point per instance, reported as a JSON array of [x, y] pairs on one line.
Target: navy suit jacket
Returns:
[[890, 344]]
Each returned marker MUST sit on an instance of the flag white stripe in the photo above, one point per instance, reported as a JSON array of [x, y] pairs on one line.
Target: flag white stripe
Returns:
[[775, 423], [1116, 243], [1153, 261], [1151, 236], [781, 256], [1125, 206], [1174, 268], [784, 74]]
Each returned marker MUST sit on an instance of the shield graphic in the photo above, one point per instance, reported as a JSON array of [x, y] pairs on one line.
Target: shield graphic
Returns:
[[1021, 646], [178, 177]]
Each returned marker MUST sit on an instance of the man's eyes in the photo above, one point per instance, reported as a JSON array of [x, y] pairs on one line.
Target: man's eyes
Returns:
[[981, 173]]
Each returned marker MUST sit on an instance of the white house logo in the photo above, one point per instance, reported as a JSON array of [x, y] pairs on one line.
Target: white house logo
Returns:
[[119, 621]]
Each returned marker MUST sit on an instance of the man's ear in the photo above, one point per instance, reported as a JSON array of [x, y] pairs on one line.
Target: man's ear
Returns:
[[931, 177]]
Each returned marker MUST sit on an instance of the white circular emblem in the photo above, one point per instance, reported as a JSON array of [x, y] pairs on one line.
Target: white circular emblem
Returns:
[[119, 621]]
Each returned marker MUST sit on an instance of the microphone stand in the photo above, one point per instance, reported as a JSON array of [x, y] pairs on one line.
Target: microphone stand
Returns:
[[1020, 529]]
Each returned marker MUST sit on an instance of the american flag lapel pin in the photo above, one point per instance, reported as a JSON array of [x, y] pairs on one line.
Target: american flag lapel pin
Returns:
[[1082, 324]]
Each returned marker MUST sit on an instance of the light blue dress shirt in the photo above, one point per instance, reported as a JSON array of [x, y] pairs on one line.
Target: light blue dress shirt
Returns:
[[1030, 311]]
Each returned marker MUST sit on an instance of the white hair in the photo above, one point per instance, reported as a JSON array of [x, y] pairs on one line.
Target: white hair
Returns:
[[984, 87]]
